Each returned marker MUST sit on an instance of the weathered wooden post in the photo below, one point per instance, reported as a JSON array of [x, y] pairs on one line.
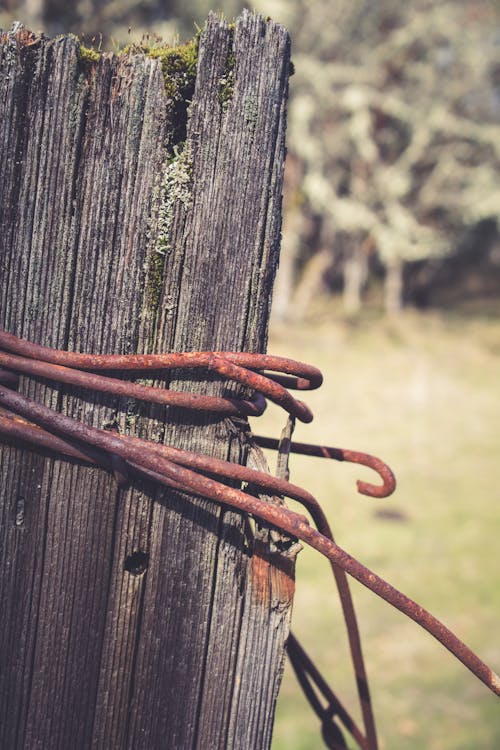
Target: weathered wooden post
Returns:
[[139, 212]]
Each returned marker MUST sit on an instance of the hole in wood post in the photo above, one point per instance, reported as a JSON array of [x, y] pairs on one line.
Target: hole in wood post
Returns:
[[136, 564], [20, 505]]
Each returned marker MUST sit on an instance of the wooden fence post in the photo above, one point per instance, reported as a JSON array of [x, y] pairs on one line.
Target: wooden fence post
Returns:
[[138, 213]]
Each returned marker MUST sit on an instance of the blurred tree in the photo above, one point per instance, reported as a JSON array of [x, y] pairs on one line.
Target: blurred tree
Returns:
[[114, 21], [394, 136], [394, 118]]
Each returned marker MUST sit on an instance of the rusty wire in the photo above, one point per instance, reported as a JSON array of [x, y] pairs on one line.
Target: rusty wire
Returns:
[[23, 420]]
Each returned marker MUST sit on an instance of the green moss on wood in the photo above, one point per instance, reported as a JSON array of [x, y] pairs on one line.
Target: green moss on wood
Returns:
[[178, 65], [89, 54]]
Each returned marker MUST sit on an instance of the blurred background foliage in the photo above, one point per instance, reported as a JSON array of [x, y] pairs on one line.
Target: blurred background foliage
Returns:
[[392, 200], [392, 195]]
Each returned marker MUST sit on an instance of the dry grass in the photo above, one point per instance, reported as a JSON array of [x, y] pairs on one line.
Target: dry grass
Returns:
[[422, 392]]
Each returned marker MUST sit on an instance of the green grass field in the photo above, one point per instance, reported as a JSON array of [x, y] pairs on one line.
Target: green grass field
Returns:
[[423, 393]]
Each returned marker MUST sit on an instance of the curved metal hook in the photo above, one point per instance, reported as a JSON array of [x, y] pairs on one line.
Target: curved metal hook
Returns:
[[339, 454], [382, 469], [292, 523]]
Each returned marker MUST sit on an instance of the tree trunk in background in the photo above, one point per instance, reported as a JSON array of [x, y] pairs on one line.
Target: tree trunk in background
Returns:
[[283, 307], [355, 276], [138, 618], [311, 285], [293, 232], [394, 286]]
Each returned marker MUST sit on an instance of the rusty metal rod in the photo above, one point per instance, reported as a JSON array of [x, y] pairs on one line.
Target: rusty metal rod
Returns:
[[268, 387], [22, 432], [294, 524], [307, 376], [212, 404], [228, 368], [340, 454], [266, 483], [223, 363], [293, 378]]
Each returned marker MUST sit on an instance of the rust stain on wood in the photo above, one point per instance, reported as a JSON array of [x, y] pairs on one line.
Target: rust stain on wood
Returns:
[[272, 578], [23, 36]]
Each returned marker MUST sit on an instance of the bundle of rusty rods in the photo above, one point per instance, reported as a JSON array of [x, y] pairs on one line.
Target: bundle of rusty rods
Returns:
[[267, 377]]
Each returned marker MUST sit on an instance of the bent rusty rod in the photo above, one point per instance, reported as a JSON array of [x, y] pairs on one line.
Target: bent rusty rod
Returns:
[[27, 432], [23, 431], [341, 454], [308, 377], [295, 524], [264, 386], [291, 374], [239, 367], [218, 405]]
